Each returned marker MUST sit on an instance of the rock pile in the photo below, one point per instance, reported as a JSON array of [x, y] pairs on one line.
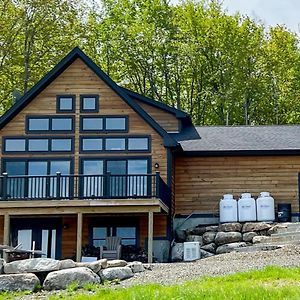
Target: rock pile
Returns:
[[222, 238], [51, 274]]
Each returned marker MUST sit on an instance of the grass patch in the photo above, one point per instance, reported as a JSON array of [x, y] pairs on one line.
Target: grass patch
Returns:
[[272, 283]]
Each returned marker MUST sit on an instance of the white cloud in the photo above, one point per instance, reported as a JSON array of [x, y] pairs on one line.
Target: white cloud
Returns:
[[271, 12]]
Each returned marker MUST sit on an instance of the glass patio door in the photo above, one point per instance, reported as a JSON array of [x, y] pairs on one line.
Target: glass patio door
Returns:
[[117, 168], [93, 184]]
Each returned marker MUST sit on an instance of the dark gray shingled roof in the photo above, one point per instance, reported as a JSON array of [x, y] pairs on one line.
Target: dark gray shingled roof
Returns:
[[244, 138]]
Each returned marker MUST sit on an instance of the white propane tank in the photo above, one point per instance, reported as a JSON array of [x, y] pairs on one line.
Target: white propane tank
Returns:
[[246, 208], [265, 207], [228, 209]]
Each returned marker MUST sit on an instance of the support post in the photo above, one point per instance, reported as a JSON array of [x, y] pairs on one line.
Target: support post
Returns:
[[6, 232], [150, 237], [79, 237]]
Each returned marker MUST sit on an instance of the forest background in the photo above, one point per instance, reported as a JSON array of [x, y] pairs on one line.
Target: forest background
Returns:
[[221, 69]]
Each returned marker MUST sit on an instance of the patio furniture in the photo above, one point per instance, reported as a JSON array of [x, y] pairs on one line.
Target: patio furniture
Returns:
[[112, 248]]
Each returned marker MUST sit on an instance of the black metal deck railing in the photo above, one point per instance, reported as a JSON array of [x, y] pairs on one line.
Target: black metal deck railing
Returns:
[[58, 187]]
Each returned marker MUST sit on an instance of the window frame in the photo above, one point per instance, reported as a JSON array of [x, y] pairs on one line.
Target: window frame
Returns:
[[103, 130], [27, 138], [50, 117], [104, 150], [95, 110], [59, 110]]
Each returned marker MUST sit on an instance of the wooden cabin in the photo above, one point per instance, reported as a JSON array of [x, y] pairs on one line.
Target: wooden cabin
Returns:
[[83, 159]]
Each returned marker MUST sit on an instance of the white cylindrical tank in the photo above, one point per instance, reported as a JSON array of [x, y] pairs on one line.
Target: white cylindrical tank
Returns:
[[265, 207], [246, 208], [228, 209]]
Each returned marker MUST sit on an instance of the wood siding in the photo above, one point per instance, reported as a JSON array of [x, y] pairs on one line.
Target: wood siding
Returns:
[[200, 182], [78, 79], [1, 229], [166, 120]]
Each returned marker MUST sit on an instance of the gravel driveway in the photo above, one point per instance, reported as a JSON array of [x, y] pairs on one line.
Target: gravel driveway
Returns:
[[288, 256]]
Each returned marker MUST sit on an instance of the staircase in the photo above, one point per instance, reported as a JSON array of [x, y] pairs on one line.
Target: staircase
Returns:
[[284, 236]]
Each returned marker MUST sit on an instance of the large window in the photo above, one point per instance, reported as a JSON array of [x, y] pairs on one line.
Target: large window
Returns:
[[65, 104], [33, 144], [89, 103], [110, 144], [103, 123], [40, 185], [53, 124], [128, 234]]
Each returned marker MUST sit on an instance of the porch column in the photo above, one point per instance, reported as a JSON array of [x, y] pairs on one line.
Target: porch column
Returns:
[[150, 237], [79, 237], [6, 232]]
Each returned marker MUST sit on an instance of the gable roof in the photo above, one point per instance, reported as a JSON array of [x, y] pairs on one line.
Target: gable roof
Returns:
[[273, 139], [160, 105], [63, 65]]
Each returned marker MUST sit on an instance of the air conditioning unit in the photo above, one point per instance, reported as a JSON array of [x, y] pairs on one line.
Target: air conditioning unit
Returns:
[[191, 251]]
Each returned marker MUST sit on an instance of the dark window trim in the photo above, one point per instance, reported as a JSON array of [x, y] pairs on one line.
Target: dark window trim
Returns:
[[27, 138], [50, 124], [41, 158], [104, 117], [96, 109], [58, 110], [115, 158], [127, 137]]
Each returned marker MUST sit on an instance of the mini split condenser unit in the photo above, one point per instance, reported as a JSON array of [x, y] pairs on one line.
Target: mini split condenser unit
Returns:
[[191, 251]]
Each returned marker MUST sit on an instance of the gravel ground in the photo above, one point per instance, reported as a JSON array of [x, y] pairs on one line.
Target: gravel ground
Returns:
[[288, 256]]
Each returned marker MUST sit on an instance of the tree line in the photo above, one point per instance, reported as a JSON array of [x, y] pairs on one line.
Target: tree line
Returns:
[[222, 69]]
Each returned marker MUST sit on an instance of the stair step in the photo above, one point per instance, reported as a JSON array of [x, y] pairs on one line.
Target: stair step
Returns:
[[287, 234]]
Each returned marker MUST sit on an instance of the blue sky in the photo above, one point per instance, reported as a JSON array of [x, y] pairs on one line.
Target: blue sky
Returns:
[[270, 12]]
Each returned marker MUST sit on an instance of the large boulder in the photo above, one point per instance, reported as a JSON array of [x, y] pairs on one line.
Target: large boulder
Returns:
[[177, 252], [210, 247], [136, 266], [32, 265], [18, 282], [230, 227], [248, 236], [209, 237], [247, 227], [119, 273], [180, 235], [67, 264], [116, 263], [212, 228], [198, 230], [95, 266], [205, 254], [59, 280], [229, 247], [228, 237], [195, 238], [277, 228]]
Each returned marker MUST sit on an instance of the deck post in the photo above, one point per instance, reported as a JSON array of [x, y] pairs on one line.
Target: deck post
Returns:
[[79, 237], [6, 232], [150, 237]]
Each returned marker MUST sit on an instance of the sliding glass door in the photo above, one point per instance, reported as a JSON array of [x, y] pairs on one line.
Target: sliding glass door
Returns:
[[123, 178]]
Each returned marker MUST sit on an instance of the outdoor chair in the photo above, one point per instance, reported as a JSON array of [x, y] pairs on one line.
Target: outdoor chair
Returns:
[[112, 248]]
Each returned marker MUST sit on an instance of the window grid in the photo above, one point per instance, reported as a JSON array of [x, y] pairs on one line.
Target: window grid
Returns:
[[104, 127], [104, 140], [30, 141], [51, 122]]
